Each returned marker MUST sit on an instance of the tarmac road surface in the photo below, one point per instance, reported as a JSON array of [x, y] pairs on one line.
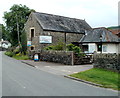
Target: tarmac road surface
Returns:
[[19, 79]]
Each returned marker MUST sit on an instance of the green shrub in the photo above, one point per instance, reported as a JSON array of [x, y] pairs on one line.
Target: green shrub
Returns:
[[70, 47], [8, 53], [49, 48], [16, 51], [59, 46], [76, 49]]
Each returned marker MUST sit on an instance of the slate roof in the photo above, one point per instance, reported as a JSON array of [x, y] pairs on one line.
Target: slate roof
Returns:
[[93, 36], [57, 23]]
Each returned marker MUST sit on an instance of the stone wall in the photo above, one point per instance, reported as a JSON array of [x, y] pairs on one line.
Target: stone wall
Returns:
[[62, 57], [107, 61], [60, 37]]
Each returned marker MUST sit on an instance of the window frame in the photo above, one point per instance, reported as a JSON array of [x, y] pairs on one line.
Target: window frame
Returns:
[[31, 37]]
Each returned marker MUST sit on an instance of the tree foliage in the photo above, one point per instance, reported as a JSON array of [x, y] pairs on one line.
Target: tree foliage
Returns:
[[5, 34], [17, 15], [24, 42]]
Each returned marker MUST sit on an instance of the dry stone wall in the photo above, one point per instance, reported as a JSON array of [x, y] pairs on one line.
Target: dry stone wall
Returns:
[[107, 61], [63, 57]]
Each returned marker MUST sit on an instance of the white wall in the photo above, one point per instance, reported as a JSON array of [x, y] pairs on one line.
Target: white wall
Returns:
[[4, 45], [106, 48], [112, 48]]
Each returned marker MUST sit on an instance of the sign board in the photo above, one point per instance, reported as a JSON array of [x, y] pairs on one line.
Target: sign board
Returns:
[[36, 57], [45, 39], [28, 43]]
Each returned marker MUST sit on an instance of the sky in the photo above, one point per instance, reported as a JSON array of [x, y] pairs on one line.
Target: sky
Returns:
[[97, 13]]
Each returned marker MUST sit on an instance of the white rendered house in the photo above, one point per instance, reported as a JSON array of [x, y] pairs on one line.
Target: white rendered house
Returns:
[[100, 40], [5, 44]]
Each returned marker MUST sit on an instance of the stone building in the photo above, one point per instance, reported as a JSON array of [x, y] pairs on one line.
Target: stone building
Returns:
[[46, 29]]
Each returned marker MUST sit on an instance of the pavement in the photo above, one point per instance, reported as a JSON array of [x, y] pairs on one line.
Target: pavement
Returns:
[[18, 79], [57, 68]]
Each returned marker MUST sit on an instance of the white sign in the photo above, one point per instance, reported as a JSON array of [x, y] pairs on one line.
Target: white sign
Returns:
[[36, 57], [45, 39], [28, 43]]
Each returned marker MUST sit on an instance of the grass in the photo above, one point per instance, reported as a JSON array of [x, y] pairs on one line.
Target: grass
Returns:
[[18, 56], [22, 57], [107, 79], [8, 53]]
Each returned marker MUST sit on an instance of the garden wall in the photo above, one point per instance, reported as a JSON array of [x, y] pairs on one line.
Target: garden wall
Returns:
[[107, 61], [63, 57]]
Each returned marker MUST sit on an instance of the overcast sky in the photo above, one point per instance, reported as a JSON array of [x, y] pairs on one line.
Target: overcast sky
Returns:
[[97, 13]]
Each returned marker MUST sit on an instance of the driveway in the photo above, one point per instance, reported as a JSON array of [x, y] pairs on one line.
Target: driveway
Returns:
[[56, 68]]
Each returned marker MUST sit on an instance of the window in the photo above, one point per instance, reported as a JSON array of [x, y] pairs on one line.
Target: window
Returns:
[[32, 32], [104, 48], [32, 47], [85, 47]]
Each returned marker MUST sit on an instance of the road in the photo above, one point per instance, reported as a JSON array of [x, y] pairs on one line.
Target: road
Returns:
[[19, 79]]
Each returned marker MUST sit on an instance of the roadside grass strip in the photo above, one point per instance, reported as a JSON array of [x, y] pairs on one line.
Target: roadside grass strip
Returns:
[[107, 79]]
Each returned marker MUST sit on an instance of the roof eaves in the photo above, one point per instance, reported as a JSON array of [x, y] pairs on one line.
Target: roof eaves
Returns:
[[63, 31]]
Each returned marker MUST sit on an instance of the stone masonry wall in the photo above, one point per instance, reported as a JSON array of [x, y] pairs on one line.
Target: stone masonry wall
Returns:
[[107, 61], [56, 36], [60, 37], [62, 57]]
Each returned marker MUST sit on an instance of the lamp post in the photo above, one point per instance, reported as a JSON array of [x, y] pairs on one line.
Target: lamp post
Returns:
[[101, 42]]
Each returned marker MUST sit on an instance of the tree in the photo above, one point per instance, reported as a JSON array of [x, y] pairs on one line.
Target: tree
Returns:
[[5, 35], [24, 42], [15, 20]]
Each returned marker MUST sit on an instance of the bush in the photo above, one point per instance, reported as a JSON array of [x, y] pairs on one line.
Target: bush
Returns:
[[16, 51], [8, 53], [49, 48], [76, 49], [59, 46], [70, 47]]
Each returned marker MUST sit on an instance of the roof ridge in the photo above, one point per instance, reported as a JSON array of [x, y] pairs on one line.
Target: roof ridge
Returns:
[[60, 23], [58, 15]]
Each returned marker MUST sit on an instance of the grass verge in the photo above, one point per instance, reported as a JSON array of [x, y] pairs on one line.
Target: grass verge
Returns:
[[22, 57], [107, 79], [18, 56]]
